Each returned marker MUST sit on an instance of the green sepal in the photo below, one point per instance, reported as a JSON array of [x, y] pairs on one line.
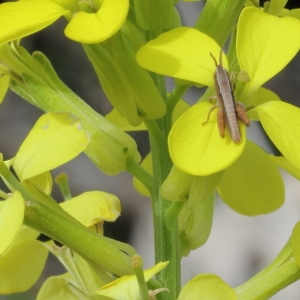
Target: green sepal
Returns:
[[86, 278], [154, 14], [296, 242], [149, 103], [113, 82], [135, 36], [195, 224], [195, 218]]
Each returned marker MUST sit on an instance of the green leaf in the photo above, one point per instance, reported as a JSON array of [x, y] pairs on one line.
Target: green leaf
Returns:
[[253, 184]]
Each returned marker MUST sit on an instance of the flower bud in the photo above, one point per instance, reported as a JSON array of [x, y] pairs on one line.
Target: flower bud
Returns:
[[177, 185], [195, 218]]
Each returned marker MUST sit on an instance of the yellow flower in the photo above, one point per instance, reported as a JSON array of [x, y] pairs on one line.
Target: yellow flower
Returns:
[[99, 20], [22, 258], [265, 44]]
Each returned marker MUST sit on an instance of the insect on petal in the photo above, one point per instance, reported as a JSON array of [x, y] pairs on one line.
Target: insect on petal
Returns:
[[198, 149]]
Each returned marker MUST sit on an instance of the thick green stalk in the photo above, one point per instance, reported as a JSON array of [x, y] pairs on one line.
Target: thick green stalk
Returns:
[[279, 274], [166, 233], [272, 283]]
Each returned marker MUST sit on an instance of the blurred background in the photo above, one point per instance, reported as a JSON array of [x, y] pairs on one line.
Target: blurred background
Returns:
[[238, 247]]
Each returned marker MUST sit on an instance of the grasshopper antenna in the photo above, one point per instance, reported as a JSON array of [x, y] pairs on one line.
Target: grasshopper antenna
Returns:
[[220, 59], [213, 59]]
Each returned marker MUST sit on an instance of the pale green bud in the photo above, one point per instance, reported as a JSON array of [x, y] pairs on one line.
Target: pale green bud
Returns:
[[195, 218], [177, 185], [195, 225]]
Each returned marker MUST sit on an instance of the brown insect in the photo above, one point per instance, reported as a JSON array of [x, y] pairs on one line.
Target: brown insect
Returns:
[[230, 111]]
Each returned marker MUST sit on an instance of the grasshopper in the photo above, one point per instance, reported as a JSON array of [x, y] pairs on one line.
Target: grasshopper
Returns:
[[230, 110]]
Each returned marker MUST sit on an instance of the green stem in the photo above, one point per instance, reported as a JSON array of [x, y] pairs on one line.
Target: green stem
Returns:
[[140, 173], [276, 276], [165, 233], [175, 96], [144, 294], [273, 283]]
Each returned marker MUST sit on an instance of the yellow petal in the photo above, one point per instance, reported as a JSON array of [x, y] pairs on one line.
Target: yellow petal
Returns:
[[25, 233], [92, 207], [283, 163], [91, 28], [182, 53], [57, 287], [207, 286], [190, 219], [43, 182], [11, 219], [265, 45], [198, 149], [22, 18], [21, 267], [281, 121], [252, 185], [55, 139], [262, 96], [126, 287]]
